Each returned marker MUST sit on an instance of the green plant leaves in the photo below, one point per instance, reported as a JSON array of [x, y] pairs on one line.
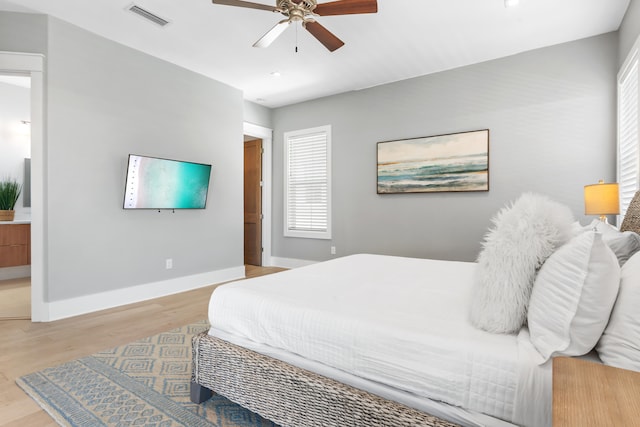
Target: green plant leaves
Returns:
[[9, 192]]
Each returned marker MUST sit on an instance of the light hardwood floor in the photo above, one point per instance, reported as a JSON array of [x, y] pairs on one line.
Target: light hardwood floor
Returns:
[[26, 347], [15, 298]]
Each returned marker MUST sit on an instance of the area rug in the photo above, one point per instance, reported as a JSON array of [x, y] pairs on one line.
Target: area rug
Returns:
[[145, 383]]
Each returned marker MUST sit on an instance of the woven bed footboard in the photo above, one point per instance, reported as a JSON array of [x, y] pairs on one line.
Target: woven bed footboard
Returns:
[[290, 396]]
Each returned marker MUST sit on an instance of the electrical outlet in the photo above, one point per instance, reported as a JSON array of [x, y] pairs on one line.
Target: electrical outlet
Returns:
[[168, 263], [333, 250]]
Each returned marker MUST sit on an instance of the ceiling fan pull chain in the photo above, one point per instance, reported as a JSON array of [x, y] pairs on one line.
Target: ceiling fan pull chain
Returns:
[[297, 38]]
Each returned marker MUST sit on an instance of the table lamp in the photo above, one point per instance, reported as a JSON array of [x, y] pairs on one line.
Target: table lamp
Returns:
[[601, 199]]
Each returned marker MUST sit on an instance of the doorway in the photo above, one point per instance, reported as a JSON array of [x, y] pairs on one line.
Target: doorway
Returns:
[[252, 201], [30, 64], [15, 145], [255, 132]]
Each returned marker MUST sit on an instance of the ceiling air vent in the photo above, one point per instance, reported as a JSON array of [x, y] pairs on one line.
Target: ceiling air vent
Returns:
[[147, 15]]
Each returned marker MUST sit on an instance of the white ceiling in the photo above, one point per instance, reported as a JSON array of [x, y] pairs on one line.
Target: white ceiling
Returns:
[[406, 38]]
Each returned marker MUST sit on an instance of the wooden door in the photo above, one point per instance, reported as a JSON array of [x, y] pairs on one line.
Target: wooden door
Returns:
[[253, 202]]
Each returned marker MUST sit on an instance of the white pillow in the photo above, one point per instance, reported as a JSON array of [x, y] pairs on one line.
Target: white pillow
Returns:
[[620, 343], [523, 236], [623, 243], [572, 297]]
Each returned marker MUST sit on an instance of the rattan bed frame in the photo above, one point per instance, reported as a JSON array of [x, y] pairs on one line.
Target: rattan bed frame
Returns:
[[290, 396]]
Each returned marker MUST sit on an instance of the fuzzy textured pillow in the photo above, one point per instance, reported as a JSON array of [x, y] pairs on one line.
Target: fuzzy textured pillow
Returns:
[[524, 235]]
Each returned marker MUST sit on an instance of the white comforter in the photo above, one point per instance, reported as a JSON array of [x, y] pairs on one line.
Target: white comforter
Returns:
[[397, 321]]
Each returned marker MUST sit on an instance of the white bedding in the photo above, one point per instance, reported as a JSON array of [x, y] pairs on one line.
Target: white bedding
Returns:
[[396, 322]]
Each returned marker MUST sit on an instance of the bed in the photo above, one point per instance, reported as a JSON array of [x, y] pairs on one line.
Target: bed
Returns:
[[370, 340]]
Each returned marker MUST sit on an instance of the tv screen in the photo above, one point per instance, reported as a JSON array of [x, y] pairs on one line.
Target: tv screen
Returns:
[[154, 183]]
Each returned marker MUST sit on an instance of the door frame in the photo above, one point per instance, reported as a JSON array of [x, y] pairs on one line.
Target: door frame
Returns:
[[32, 65], [266, 135]]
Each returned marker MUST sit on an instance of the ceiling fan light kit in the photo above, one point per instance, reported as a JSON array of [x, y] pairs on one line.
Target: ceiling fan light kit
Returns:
[[306, 12]]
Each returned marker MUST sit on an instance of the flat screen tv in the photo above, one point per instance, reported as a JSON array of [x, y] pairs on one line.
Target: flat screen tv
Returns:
[[154, 183]]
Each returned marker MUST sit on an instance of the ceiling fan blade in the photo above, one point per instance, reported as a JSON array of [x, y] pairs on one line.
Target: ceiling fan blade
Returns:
[[250, 5], [324, 36], [272, 34], [346, 7]]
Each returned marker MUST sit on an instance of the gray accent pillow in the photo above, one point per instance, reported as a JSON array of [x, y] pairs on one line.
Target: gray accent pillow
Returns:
[[623, 243]]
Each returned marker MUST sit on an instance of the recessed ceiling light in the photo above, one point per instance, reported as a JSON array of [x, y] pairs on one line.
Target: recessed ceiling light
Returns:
[[511, 3], [275, 74]]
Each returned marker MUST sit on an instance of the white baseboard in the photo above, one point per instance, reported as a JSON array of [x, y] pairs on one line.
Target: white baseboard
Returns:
[[9, 273], [290, 262], [119, 297]]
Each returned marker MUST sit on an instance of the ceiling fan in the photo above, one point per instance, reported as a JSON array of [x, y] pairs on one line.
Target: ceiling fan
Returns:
[[306, 11]]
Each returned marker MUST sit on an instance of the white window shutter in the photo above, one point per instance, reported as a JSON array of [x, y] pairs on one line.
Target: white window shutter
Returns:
[[628, 132], [308, 183]]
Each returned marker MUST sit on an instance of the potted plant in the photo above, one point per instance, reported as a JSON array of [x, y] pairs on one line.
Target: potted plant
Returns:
[[9, 192]]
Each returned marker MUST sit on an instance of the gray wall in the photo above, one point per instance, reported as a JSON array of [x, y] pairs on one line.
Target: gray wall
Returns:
[[257, 114], [23, 32], [551, 115], [629, 30], [104, 101]]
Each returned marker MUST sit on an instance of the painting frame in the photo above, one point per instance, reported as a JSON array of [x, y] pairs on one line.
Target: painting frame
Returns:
[[452, 162]]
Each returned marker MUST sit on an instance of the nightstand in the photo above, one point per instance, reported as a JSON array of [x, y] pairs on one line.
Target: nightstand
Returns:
[[590, 394]]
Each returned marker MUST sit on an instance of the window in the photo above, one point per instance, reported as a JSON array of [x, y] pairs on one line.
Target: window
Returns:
[[628, 122], [308, 183]]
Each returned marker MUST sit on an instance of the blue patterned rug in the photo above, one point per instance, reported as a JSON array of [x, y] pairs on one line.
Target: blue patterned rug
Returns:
[[145, 383]]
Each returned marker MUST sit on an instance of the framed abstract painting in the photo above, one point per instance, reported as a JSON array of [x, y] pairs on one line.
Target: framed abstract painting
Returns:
[[440, 163]]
